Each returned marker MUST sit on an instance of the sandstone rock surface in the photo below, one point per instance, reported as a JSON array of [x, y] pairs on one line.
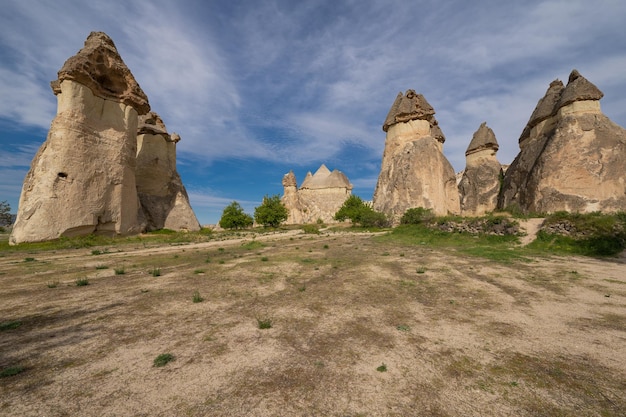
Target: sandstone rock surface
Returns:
[[571, 158], [161, 192], [480, 183], [99, 67], [319, 197], [83, 178], [414, 171]]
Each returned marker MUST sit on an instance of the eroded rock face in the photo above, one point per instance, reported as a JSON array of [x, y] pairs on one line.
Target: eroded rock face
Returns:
[[162, 195], [480, 183], [99, 67], [82, 179], [319, 197], [414, 171], [573, 159]]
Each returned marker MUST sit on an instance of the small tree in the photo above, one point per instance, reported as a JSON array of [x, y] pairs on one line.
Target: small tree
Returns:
[[353, 208], [271, 212], [6, 218], [233, 217]]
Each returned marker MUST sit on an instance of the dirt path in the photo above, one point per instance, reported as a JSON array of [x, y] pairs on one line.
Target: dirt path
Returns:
[[531, 226]]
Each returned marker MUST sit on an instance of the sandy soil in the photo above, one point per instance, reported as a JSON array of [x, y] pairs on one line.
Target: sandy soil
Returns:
[[360, 327]]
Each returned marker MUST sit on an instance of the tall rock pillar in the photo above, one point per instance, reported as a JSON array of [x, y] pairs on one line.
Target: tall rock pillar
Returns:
[[414, 171], [82, 179], [480, 183]]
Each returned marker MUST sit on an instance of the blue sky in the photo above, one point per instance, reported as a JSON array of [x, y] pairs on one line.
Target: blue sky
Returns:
[[256, 88]]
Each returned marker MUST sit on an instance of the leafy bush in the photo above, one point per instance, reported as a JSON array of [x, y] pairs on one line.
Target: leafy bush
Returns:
[[233, 217], [311, 229], [271, 212], [417, 215], [360, 213], [371, 218]]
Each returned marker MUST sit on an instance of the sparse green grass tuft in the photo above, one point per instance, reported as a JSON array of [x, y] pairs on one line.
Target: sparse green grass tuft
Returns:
[[11, 371], [155, 272], [29, 259], [421, 270], [120, 270], [264, 259], [197, 298], [382, 368], [81, 282], [53, 284], [102, 267], [265, 323], [198, 271], [10, 325], [163, 359]]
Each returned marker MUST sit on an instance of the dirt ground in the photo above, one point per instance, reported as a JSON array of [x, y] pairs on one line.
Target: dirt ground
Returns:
[[360, 326]]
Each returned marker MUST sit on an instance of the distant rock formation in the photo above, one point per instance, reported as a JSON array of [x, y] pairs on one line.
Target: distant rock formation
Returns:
[[319, 197], [414, 171], [82, 180], [480, 183], [161, 192], [572, 157]]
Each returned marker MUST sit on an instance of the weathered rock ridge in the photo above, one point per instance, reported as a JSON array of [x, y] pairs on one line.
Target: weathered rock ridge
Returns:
[[414, 171], [480, 183], [572, 157], [83, 178], [319, 197]]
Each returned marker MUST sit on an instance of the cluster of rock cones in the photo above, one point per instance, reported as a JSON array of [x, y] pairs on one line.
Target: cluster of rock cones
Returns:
[[108, 165], [572, 158]]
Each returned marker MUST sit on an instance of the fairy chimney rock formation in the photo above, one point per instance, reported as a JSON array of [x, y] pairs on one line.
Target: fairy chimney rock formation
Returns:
[[319, 197], [572, 157], [480, 183], [83, 178], [162, 195], [414, 171]]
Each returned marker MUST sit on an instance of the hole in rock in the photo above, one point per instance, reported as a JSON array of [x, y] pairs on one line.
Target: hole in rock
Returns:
[[62, 175]]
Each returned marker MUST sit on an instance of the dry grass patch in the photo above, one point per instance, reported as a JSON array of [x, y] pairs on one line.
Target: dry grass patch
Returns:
[[466, 337]]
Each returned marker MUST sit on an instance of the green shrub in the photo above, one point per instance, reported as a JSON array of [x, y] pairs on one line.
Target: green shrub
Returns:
[[120, 270], [311, 229], [360, 213], [81, 282], [155, 272], [417, 215]]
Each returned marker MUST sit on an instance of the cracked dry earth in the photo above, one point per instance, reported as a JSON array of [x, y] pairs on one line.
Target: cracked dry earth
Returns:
[[361, 326]]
